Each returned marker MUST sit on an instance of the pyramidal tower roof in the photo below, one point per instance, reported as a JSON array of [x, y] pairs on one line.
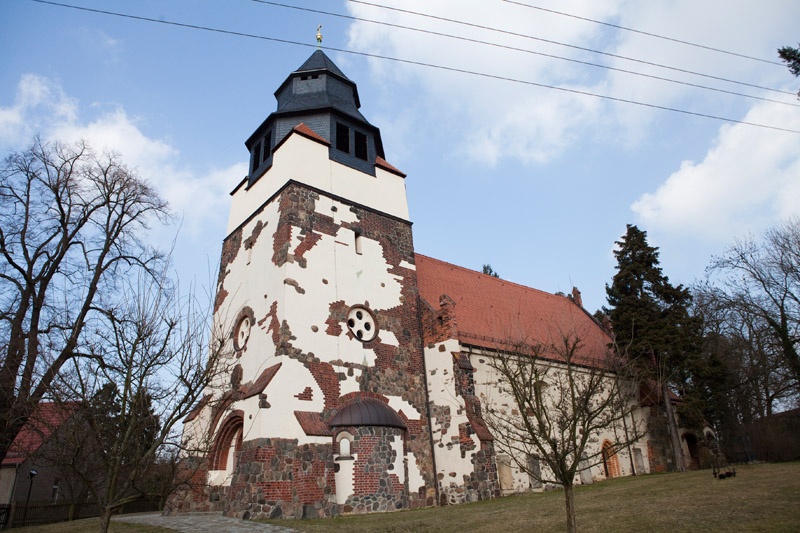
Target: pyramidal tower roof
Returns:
[[320, 96], [319, 61]]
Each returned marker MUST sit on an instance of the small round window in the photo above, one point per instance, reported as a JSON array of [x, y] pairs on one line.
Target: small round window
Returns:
[[242, 333], [362, 324]]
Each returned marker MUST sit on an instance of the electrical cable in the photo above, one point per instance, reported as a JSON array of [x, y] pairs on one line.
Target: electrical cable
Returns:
[[616, 56], [417, 63], [649, 34], [524, 50]]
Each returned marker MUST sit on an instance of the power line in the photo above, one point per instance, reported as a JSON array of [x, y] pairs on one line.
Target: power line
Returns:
[[674, 40], [576, 47], [524, 50], [417, 63]]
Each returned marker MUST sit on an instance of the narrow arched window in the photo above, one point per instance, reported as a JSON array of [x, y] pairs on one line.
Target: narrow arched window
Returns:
[[345, 441]]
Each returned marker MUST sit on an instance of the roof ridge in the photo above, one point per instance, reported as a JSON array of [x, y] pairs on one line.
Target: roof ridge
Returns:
[[491, 278]]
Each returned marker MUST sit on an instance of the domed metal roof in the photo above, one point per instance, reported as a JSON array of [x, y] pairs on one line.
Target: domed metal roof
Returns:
[[367, 412]]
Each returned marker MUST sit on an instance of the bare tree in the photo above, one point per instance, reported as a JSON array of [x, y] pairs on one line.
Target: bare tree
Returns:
[[70, 221], [558, 405], [152, 359], [762, 279], [743, 377]]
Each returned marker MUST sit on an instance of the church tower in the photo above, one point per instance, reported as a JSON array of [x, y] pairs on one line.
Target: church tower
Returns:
[[324, 410]]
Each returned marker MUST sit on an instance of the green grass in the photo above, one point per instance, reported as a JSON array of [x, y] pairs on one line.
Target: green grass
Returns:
[[760, 498]]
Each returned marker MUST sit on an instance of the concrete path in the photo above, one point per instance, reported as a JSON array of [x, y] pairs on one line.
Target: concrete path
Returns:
[[202, 523]]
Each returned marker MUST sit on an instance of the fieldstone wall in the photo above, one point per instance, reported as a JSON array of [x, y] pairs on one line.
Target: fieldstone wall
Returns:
[[277, 478], [378, 485]]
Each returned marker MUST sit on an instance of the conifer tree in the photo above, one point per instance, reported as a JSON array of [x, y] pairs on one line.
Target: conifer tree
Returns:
[[791, 56], [652, 324]]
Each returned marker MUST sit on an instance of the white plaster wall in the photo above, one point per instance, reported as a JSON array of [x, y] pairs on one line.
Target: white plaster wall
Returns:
[[345, 485], [306, 161], [333, 272], [399, 460], [442, 393], [485, 386]]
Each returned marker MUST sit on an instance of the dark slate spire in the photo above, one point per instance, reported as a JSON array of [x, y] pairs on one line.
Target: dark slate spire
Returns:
[[319, 84], [319, 95], [319, 61]]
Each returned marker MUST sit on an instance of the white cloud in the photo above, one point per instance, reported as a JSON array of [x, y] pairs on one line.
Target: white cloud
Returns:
[[501, 119], [38, 102], [494, 119], [748, 180], [42, 108]]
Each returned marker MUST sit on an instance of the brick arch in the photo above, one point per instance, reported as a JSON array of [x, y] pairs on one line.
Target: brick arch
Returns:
[[228, 437], [610, 460]]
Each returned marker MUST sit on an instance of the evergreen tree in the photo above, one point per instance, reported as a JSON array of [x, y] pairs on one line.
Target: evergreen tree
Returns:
[[652, 324], [488, 270], [791, 56]]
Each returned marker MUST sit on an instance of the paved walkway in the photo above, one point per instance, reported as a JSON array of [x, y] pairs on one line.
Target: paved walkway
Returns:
[[202, 523]]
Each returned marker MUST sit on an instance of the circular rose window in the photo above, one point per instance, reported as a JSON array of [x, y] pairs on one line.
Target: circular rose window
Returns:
[[361, 323], [242, 333]]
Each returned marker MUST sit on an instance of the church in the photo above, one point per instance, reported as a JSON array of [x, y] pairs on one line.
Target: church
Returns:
[[359, 369]]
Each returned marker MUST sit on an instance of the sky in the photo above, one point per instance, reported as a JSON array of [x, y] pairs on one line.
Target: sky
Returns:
[[531, 131]]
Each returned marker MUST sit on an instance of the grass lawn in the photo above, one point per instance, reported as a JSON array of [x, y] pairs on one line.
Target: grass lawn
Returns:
[[760, 498]]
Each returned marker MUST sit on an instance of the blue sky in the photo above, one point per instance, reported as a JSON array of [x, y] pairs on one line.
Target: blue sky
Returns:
[[537, 181]]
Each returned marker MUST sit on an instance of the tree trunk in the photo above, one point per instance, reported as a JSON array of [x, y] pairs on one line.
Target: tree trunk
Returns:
[[672, 424], [105, 520], [569, 497]]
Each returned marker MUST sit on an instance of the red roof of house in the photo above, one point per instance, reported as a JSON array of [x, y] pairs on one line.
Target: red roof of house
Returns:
[[46, 418], [497, 314]]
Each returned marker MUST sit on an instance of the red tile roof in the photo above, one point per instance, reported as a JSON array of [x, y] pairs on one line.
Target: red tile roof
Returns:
[[381, 162], [311, 134], [497, 314], [46, 418]]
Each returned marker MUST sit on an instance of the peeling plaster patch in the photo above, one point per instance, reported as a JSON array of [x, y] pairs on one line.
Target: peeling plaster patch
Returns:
[[388, 338], [306, 243], [220, 298], [406, 264], [230, 249], [307, 395], [281, 240], [251, 240], [399, 404], [327, 379], [274, 324], [397, 448], [340, 212], [337, 314], [293, 283]]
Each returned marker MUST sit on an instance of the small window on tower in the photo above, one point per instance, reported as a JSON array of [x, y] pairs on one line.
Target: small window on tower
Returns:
[[342, 137], [361, 145], [358, 241], [256, 159], [267, 146]]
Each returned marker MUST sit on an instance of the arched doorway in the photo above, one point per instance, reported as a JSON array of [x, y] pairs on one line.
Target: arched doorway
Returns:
[[225, 451], [694, 451], [610, 460]]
